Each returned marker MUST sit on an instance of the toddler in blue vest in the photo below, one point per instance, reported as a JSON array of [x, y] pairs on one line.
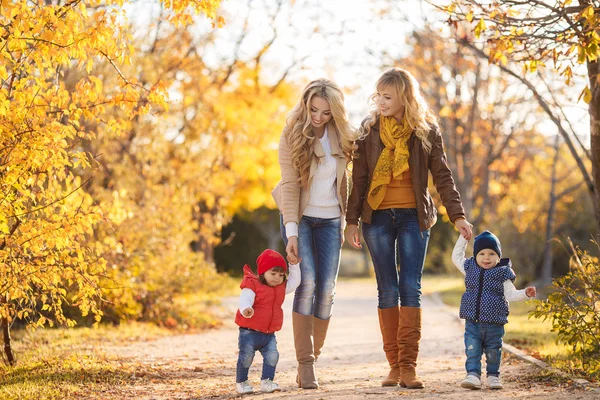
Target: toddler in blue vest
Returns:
[[484, 305]]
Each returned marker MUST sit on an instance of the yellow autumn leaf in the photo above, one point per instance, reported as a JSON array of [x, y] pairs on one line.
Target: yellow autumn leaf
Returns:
[[586, 94], [479, 28]]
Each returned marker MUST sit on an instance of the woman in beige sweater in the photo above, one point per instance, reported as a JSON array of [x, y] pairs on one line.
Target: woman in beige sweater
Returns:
[[314, 151]]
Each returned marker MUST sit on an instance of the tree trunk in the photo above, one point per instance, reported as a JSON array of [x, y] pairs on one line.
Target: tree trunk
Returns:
[[10, 358], [594, 110], [591, 183], [546, 277]]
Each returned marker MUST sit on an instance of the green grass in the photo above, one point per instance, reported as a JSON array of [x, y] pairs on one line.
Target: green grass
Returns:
[[67, 363]]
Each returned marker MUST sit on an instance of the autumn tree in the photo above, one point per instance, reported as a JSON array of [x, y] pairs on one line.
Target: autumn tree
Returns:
[[47, 216], [535, 33], [487, 127], [176, 176], [498, 150]]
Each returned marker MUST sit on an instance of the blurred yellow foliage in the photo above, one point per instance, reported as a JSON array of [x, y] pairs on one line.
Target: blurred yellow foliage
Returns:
[[63, 76]]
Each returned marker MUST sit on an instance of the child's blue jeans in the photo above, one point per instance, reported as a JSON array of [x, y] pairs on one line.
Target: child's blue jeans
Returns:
[[249, 342], [483, 337]]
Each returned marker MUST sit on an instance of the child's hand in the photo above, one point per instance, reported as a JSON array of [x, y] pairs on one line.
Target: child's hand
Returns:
[[530, 291], [248, 312], [292, 259]]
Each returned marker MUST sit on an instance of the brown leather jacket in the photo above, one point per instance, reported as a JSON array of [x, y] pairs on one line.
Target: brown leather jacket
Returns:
[[420, 163]]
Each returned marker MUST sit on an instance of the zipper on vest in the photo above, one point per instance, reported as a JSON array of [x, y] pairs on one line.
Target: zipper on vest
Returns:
[[272, 309], [479, 294]]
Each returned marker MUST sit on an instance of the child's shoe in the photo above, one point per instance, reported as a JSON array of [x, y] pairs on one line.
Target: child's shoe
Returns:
[[268, 386], [494, 382], [244, 387], [471, 382]]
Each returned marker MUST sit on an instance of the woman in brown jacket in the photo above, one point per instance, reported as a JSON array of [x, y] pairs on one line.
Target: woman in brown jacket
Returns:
[[314, 151], [389, 194]]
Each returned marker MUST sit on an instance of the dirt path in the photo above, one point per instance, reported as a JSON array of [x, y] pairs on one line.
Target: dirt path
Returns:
[[351, 366]]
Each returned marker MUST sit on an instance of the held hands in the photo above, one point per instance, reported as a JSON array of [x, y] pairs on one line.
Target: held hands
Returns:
[[353, 237], [248, 312], [530, 291], [464, 227], [292, 259], [292, 250]]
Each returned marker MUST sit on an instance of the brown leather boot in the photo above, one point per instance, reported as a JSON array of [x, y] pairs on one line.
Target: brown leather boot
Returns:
[[388, 323], [409, 335], [320, 331], [303, 341]]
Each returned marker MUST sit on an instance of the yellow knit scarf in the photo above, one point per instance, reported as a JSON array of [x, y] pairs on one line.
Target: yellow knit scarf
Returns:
[[393, 160]]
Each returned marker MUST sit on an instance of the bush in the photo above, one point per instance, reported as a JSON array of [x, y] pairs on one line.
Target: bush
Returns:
[[574, 309]]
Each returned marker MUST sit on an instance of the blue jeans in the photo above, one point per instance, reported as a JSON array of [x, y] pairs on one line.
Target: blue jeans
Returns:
[[394, 237], [248, 342], [483, 337], [319, 247]]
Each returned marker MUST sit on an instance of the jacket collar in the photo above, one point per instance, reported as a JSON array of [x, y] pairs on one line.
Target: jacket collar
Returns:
[[333, 143], [248, 272]]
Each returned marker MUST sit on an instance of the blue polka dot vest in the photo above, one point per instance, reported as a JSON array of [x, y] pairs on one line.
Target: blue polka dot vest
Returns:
[[484, 301]]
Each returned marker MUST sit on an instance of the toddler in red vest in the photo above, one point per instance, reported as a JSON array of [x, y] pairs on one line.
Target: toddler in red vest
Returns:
[[260, 315]]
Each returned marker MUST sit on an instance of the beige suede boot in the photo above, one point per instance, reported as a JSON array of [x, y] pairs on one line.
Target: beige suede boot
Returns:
[[303, 341], [320, 332]]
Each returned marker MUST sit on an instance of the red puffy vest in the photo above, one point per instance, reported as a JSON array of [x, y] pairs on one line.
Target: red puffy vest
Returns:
[[268, 315]]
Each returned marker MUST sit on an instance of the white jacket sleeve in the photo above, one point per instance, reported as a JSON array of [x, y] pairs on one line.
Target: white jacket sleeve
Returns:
[[512, 294], [246, 300], [458, 254], [294, 278]]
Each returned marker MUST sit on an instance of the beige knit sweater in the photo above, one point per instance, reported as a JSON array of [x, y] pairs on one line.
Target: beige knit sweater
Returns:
[[292, 199]]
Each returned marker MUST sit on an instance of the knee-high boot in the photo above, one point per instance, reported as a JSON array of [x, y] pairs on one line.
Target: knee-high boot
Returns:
[[320, 332], [409, 336], [303, 341], [388, 323]]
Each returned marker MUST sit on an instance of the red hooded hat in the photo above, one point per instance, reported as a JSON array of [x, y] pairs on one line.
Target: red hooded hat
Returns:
[[269, 259]]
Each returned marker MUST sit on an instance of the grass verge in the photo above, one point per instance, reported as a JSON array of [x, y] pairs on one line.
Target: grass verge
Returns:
[[534, 336], [69, 363]]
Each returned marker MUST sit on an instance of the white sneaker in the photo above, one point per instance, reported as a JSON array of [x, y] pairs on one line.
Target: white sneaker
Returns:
[[268, 386], [471, 382], [494, 382], [243, 387]]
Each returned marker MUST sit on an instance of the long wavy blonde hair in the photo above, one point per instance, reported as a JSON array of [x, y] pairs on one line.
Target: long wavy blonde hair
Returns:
[[417, 113], [299, 131]]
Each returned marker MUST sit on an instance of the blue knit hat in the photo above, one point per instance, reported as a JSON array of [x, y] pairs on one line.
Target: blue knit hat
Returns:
[[486, 240]]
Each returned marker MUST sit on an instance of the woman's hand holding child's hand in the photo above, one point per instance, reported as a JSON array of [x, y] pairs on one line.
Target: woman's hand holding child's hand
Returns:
[[530, 291], [248, 312], [292, 259], [464, 227]]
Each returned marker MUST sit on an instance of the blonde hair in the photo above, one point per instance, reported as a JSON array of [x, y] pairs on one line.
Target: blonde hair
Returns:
[[417, 113], [299, 132]]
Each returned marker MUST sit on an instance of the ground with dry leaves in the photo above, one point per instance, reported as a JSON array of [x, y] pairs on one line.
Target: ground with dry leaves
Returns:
[[202, 366]]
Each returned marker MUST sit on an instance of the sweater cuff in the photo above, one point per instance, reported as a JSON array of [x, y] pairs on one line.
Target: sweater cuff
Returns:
[[291, 229]]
